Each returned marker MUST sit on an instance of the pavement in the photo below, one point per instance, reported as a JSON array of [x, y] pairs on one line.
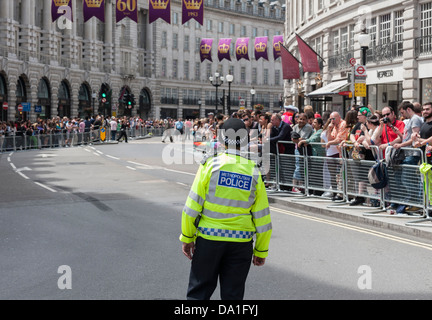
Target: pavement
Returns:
[[415, 225]]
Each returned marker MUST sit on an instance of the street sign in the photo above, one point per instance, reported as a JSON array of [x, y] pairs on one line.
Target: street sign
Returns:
[[20, 107], [5, 106], [38, 109], [352, 61], [242, 103], [360, 89], [360, 71], [26, 106]]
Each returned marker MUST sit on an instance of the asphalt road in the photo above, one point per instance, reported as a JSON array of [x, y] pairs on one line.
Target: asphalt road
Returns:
[[102, 222]]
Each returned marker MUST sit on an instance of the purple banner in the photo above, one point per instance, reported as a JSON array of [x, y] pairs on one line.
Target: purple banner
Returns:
[[192, 9], [61, 8], [276, 46], [94, 8], [159, 9], [224, 49], [261, 48], [242, 48], [126, 9], [205, 49]]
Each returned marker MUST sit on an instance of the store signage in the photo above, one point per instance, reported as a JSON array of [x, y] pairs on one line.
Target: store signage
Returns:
[[384, 74]]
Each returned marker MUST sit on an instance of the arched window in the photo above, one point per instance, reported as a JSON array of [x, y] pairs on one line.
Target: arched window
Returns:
[[63, 91], [43, 90]]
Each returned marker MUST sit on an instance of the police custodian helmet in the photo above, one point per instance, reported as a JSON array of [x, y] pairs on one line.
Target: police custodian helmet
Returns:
[[234, 132]]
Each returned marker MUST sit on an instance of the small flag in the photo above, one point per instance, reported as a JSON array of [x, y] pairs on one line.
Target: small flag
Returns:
[[290, 65], [308, 56], [160, 9], [242, 48], [224, 49]]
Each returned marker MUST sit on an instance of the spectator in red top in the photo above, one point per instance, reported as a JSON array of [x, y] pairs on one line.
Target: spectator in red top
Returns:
[[390, 128]]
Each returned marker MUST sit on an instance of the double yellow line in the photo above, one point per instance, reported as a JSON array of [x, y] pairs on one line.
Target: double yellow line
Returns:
[[355, 228]]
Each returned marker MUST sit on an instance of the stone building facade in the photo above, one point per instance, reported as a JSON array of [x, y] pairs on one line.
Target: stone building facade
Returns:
[[55, 68], [397, 59]]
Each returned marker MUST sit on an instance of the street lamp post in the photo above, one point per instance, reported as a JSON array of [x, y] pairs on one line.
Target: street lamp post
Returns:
[[364, 40], [216, 81], [230, 79], [252, 92]]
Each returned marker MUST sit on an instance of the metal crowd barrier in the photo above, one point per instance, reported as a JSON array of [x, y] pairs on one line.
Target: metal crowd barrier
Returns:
[[348, 178], [15, 142]]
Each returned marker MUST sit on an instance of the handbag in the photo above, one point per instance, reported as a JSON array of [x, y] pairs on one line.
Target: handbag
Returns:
[[357, 154]]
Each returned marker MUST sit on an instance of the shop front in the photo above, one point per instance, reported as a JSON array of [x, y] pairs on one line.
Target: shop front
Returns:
[[331, 97], [385, 87]]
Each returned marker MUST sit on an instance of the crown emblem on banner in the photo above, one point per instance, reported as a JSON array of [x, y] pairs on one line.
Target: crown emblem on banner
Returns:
[[159, 4], [61, 3], [93, 3], [193, 4], [260, 47], [205, 48], [224, 48], [277, 46]]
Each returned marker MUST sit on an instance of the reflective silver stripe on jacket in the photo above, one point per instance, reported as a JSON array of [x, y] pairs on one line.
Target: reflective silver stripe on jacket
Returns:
[[190, 212], [219, 215], [264, 228], [195, 197], [260, 214]]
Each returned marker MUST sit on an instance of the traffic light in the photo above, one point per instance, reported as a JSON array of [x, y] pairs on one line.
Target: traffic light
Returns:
[[222, 101]]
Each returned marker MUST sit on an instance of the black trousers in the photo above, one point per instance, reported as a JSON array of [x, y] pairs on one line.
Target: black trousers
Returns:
[[228, 261]]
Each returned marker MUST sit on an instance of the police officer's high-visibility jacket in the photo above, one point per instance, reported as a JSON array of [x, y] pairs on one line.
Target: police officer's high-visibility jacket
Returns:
[[229, 200]]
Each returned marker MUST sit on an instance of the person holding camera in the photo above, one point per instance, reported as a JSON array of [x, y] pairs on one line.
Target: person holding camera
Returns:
[[390, 129]]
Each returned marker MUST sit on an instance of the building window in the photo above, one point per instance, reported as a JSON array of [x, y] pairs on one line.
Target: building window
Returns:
[[164, 39], [220, 27], [426, 28], [254, 75], [243, 75], [336, 42], [265, 77], [398, 29], [277, 77], [186, 43], [175, 41], [344, 40], [197, 71], [232, 29], [164, 67], [385, 28], [175, 69], [186, 70]]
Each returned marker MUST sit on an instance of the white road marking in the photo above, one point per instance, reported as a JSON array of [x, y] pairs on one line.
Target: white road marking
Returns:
[[46, 187]]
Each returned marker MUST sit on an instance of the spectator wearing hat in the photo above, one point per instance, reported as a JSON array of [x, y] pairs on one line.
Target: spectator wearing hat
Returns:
[[287, 117]]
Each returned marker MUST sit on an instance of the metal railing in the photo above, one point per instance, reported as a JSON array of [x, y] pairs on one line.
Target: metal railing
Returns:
[[348, 178], [13, 142]]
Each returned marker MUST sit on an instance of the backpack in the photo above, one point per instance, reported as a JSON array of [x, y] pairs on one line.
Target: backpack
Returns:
[[179, 125], [378, 177]]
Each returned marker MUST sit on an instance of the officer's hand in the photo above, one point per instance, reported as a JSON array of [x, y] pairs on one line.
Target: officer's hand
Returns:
[[258, 261], [188, 249]]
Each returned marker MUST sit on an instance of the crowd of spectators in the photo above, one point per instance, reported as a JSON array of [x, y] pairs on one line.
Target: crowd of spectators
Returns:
[[324, 135], [364, 134]]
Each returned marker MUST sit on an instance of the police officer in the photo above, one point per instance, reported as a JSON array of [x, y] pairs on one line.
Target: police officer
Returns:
[[226, 207]]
